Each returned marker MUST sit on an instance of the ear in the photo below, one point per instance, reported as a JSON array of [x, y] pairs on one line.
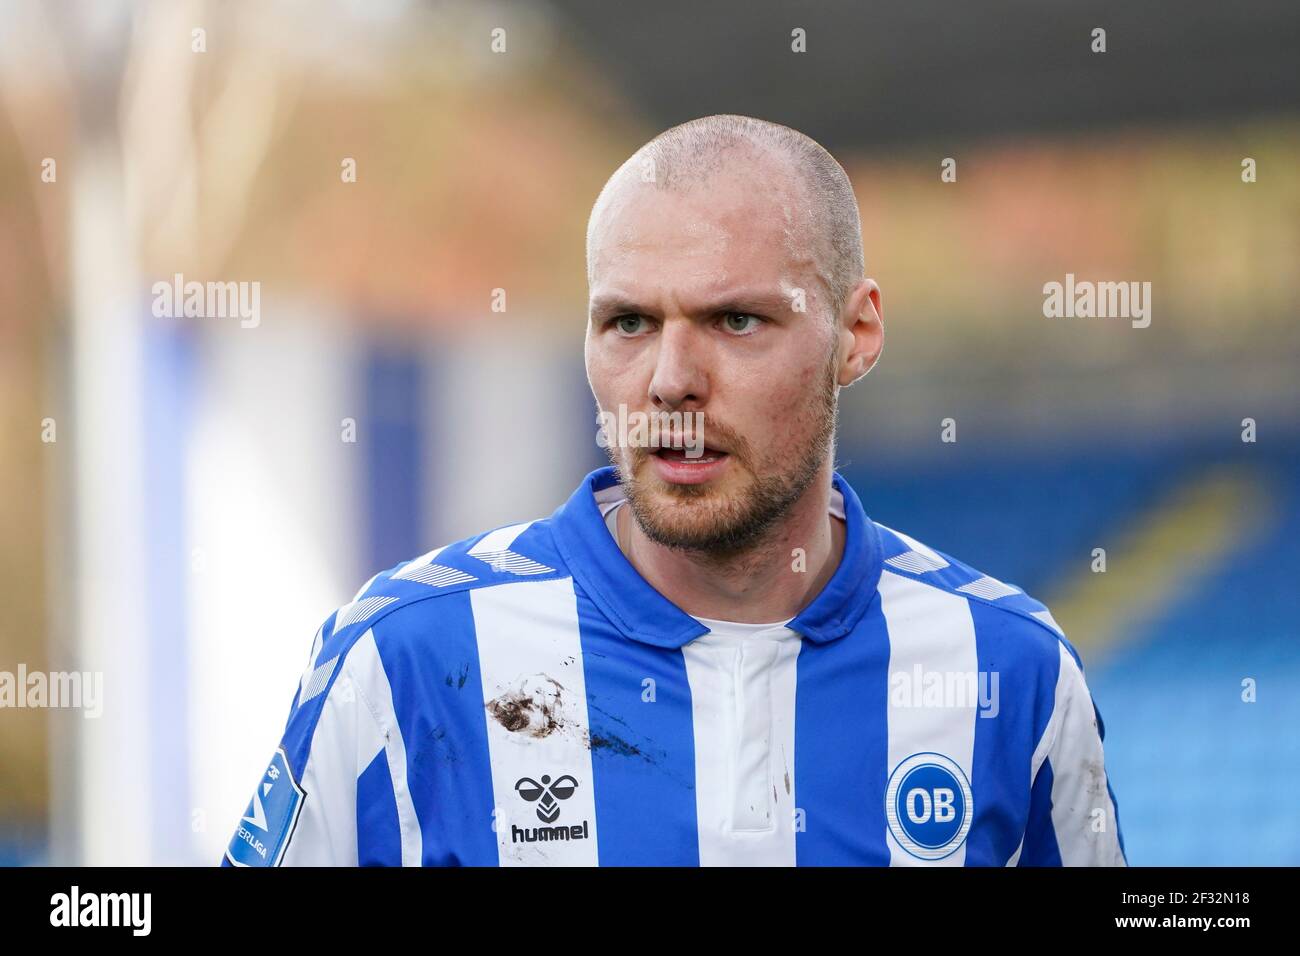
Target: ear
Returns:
[[861, 331]]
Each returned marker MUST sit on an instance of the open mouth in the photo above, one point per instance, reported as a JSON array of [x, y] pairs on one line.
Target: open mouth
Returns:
[[683, 456]]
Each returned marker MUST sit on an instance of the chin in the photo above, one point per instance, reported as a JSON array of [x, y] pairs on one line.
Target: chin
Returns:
[[708, 517]]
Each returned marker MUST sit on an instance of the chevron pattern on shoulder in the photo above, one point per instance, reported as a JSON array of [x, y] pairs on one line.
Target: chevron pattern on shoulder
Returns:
[[918, 559], [916, 562], [494, 551], [423, 570], [315, 683], [360, 611], [987, 587]]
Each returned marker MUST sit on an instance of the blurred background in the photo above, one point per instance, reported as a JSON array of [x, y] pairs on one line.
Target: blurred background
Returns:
[[185, 500]]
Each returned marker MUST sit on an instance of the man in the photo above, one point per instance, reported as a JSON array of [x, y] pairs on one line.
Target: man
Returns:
[[709, 654]]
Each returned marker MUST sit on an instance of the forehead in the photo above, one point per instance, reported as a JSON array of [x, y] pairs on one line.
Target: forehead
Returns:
[[744, 225]]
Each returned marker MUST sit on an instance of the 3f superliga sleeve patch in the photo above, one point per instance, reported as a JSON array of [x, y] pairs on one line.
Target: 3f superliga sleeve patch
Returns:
[[268, 823]]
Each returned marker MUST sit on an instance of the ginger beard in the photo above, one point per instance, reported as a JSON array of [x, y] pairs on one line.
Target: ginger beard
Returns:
[[709, 519]]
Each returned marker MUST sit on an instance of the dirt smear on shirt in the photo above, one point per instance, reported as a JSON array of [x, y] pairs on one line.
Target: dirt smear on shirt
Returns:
[[535, 708]]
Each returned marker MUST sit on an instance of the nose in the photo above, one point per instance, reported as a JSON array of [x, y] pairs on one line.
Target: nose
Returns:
[[680, 378]]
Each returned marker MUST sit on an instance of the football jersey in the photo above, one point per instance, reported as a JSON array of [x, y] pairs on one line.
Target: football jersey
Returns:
[[524, 697]]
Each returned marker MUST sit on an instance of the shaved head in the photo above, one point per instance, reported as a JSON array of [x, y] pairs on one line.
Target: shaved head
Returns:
[[725, 281], [818, 208]]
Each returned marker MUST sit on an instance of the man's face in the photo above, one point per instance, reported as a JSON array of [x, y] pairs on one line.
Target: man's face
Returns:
[[693, 308]]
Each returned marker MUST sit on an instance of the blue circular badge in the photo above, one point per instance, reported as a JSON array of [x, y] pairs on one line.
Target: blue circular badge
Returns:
[[929, 805]]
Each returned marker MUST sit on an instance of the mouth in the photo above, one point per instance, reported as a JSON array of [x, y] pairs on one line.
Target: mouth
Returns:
[[680, 455], [675, 467]]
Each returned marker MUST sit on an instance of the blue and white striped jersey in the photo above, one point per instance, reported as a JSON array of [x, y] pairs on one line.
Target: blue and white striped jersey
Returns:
[[525, 698]]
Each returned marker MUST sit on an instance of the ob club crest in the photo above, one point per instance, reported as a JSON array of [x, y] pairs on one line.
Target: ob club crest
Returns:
[[929, 805]]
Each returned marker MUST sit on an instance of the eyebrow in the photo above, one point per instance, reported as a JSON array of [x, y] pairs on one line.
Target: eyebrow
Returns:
[[744, 300]]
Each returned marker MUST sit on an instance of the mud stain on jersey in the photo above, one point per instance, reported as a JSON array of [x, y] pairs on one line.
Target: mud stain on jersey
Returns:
[[535, 708], [616, 745]]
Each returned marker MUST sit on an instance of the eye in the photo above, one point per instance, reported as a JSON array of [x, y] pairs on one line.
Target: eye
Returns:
[[529, 789], [629, 325], [741, 323]]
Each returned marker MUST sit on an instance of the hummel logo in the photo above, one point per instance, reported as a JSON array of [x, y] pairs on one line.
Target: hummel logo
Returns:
[[548, 810], [547, 795]]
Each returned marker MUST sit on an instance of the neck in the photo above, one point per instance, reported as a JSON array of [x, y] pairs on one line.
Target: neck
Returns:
[[766, 582]]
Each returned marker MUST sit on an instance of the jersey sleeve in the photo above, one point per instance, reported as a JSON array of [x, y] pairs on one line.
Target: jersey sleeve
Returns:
[[1073, 816], [304, 810]]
